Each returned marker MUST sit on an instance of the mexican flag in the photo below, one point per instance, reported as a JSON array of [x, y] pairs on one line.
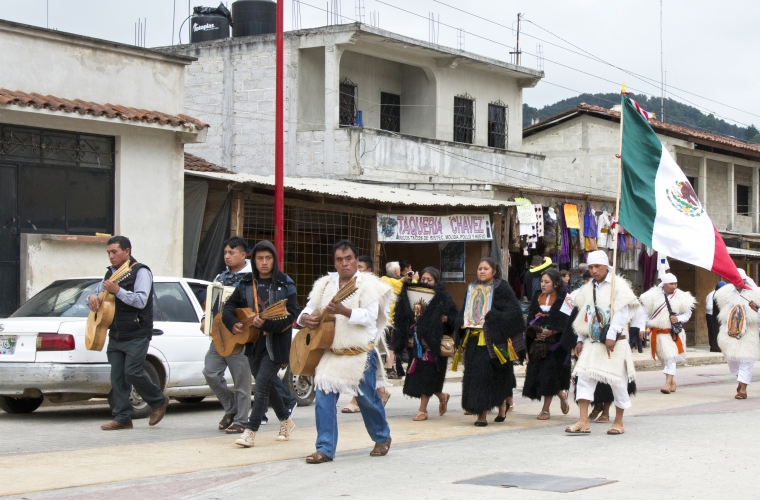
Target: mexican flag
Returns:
[[658, 205]]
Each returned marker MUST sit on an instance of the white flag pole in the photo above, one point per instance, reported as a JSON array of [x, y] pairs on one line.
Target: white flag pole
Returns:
[[617, 215]]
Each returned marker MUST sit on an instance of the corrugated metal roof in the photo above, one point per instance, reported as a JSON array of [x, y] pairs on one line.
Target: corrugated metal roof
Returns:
[[742, 252], [358, 191]]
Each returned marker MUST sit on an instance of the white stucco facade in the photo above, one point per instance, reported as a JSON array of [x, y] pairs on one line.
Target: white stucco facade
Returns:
[[148, 175], [232, 87]]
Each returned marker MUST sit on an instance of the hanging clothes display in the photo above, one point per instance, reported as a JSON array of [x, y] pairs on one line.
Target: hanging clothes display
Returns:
[[550, 231], [589, 229], [648, 265], [514, 229], [603, 229], [560, 218], [539, 219]]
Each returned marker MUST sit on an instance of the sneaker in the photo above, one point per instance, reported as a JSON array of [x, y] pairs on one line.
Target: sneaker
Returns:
[[286, 427], [264, 420], [246, 440], [292, 409]]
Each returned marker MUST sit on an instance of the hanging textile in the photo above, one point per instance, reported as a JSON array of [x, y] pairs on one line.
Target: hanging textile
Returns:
[[539, 219], [196, 193], [603, 229], [570, 211], [560, 218], [648, 266], [514, 229], [566, 243], [550, 231], [211, 250]]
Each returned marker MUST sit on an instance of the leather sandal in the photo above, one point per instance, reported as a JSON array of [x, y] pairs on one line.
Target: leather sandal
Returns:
[[226, 421], [385, 397], [578, 428], [350, 408], [318, 458], [615, 430], [665, 389], [594, 414], [673, 387], [741, 395], [421, 415], [235, 429], [544, 415], [603, 419], [381, 449], [443, 405], [564, 406]]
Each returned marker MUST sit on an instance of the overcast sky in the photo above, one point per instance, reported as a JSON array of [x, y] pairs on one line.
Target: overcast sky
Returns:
[[710, 47]]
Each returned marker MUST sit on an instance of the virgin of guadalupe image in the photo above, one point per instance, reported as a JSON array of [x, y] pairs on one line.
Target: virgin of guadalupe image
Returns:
[[477, 305]]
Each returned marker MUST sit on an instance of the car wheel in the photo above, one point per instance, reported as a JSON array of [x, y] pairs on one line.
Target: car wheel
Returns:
[[196, 399], [19, 405], [301, 388], [141, 408]]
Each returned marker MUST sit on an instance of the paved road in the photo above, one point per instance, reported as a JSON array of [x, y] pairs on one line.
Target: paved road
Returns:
[[696, 443]]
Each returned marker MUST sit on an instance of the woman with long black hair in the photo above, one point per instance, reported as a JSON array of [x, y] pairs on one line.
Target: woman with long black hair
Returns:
[[548, 372], [489, 352], [423, 327]]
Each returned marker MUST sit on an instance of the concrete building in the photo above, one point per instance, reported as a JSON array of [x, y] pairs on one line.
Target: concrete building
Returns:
[[91, 143], [580, 145], [432, 118]]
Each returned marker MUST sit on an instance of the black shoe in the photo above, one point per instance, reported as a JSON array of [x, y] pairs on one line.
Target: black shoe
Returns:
[[499, 419], [481, 424]]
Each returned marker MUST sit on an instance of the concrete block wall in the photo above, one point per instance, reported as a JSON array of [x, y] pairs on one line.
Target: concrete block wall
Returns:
[[717, 197]]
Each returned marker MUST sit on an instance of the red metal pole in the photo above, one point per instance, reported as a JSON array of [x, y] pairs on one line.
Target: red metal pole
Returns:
[[279, 150]]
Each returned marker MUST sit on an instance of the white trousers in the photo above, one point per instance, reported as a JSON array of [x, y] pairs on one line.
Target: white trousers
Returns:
[[742, 370], [669, 367], [585, 388]]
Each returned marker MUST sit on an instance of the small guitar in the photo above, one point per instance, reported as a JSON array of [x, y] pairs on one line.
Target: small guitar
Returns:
[[99, 321], [309, 345], [227, 343]]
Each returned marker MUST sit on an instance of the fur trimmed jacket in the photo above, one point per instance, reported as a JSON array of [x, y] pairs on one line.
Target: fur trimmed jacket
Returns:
[[343, 373], [594, 363], [681, 302], [430, 329], [735, 316]]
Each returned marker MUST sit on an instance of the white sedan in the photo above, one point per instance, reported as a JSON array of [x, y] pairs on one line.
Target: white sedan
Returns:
[[42, 352]]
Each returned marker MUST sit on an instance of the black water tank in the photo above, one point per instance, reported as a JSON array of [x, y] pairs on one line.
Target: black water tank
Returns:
[[254, 17], [209, 23]]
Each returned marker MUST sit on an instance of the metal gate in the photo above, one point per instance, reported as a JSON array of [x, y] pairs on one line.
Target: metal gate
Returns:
[[9, 242]]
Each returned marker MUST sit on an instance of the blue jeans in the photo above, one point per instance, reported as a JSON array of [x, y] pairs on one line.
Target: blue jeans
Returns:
[[369, 402]]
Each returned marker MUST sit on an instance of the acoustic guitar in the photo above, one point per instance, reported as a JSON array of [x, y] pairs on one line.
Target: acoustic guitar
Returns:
[[99, 321], [309, 345], [227, 343]]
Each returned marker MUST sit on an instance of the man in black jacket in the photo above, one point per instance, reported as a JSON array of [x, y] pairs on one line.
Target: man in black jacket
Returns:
[[129, 336], [273, 347]]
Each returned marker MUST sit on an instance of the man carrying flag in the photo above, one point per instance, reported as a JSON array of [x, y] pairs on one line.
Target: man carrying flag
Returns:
[[659, 207]]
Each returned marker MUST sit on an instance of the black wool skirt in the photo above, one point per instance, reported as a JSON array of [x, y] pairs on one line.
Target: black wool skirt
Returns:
[[547, 376], [427, 379], [483, 386]]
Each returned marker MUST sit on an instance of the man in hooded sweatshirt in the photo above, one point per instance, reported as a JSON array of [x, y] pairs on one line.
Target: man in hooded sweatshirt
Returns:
[[273, 347]]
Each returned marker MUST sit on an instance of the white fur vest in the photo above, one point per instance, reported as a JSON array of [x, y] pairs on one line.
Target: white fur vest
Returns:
[[654, 300], [341, 373], [746, 348], [593, 362]]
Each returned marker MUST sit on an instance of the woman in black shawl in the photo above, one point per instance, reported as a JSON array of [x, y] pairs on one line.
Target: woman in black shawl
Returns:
[[489, 353], [423, 327], [548, 371]]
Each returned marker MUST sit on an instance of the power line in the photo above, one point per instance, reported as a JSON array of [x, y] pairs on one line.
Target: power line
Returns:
[[566, 66]]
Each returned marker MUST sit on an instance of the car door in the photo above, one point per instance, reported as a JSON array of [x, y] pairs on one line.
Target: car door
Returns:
[[182, 343]]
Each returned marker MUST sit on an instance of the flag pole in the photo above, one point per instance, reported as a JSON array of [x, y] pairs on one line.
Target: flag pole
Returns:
[[617, 214]]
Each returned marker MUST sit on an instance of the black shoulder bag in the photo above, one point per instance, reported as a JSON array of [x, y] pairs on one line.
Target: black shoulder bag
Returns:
[[675, 328]]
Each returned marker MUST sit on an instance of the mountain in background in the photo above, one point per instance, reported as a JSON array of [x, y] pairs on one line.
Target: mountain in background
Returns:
[[675, 112]]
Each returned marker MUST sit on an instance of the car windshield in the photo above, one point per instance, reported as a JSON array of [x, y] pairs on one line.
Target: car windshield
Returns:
[[63, 298]]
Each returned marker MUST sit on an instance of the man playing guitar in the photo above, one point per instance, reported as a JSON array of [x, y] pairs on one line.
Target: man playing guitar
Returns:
[[352, 365]]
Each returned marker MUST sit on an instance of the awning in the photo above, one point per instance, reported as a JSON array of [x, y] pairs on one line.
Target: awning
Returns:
[[358, 191], [743, 254]]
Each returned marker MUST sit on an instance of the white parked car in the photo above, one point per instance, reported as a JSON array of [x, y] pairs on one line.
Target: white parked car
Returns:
[[42, 353]]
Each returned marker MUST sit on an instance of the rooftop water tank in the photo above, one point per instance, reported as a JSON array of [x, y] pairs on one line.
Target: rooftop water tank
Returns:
[[210, 23], [254, 17]]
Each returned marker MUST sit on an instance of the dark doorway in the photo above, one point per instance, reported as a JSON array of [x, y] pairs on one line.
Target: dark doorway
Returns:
[[9, 242]]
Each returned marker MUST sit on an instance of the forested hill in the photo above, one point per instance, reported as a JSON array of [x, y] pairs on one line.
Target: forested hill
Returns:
[[675, 112]]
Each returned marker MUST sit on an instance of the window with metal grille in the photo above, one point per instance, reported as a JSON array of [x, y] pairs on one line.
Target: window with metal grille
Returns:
[[348, 91], [309, 236], [65, 180], [742, 199], [497, 125], [390, 112], [464, 119]]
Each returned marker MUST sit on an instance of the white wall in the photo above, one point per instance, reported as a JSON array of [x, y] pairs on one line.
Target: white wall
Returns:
[[44, 260], [72, 68], [149, 186]]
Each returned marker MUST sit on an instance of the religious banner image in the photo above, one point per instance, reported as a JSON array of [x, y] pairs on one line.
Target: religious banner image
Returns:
[[452, 261], [477, 304], [429, 228]]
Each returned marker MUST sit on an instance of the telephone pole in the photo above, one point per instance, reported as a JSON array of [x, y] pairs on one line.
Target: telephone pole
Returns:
[[517, 45]]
